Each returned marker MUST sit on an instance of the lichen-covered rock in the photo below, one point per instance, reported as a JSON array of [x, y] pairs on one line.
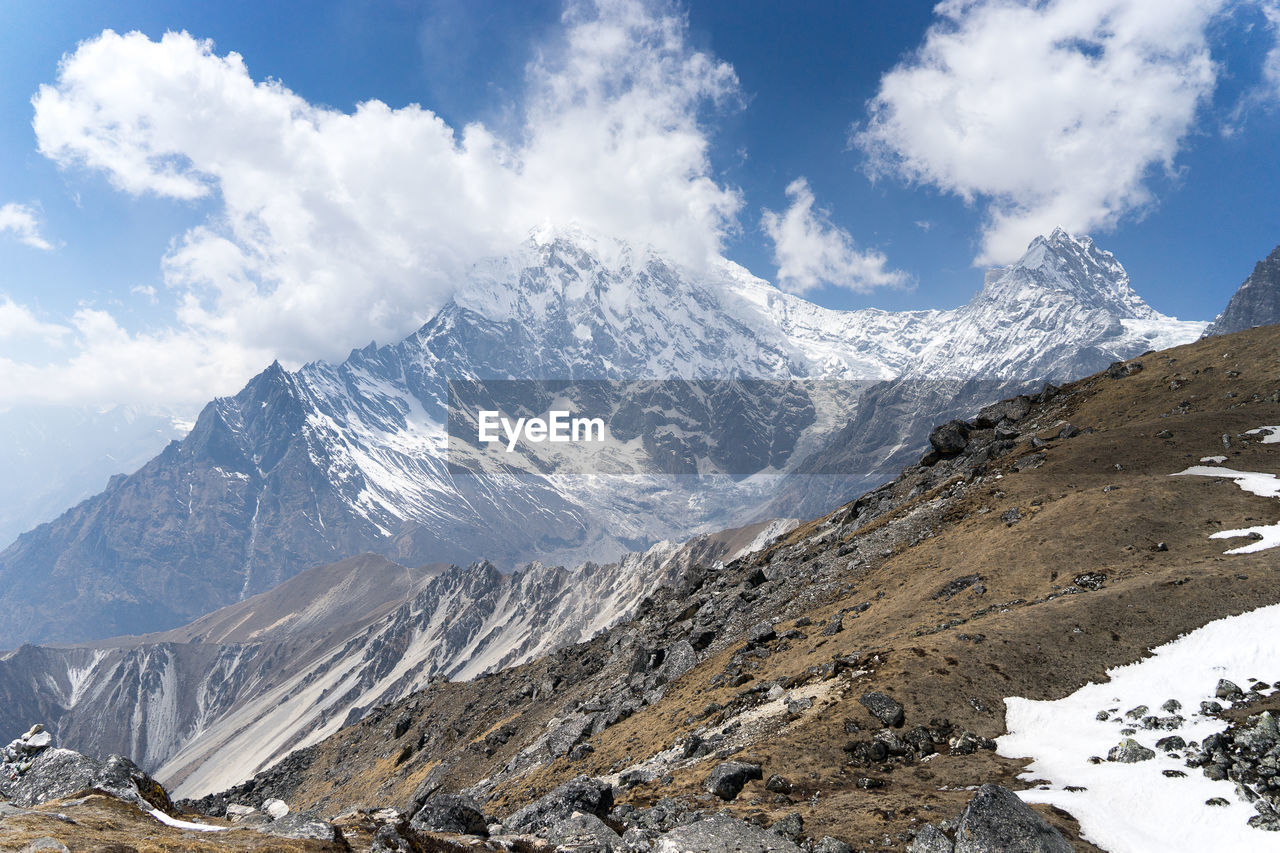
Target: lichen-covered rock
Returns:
[[996, 821], [583, 794], [450, 813], [61, 772], [723, 834], [884, 708]]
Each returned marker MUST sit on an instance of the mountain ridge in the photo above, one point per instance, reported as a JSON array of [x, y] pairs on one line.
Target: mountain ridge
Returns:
[[303, 468]]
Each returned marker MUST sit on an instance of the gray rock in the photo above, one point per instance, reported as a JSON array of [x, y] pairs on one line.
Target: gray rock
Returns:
[[723, 834], [789, 827], [831, 845], [1228, 690], [568, 734], [930, 840], [390, 839], [1013, 410], [835, 626], [778, 784], [1129, 751], [680, 659], [45, 845], [61, 772], [761, 633], [883, 708], [450, 813], [637, 840], [303, 826], [584, 833], [996, 821], [583, 794], [950, 438], [728, 778]]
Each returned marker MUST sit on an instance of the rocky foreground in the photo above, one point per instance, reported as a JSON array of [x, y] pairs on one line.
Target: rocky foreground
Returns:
[[60, 800]]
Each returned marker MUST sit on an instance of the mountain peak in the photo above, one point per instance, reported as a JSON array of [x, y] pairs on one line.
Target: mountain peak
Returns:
[[1063, 265], [1256, 303]]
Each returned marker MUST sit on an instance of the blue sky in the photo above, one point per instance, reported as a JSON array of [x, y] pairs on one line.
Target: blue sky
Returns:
[[861, 153]]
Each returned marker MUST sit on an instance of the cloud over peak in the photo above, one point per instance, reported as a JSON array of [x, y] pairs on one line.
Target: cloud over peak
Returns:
[[1044, 113], [331, 228]]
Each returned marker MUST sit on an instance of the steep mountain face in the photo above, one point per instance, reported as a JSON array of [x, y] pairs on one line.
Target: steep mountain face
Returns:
[[208, 704], [303, 468], [1256, 303]]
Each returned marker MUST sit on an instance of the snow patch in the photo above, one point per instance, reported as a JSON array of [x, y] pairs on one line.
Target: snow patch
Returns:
[[1270, 434], [1135, 807], [1264, 485], [184, 824]]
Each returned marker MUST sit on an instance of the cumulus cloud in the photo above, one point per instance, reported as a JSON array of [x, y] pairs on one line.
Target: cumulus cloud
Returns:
[[20, 221], [1046, 113], [810, 251], [18, 323], [332, 228]]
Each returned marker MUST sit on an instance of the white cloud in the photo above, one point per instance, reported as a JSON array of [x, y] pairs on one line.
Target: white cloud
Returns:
[[109, 365], [1271, 64], [18, 323], [1047, 113], [809, 250], [330, 229], [20, 220]]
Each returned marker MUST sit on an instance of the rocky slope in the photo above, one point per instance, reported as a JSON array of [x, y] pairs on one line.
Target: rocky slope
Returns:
[[857, 670], [1255, 303], [302, 468], [207, 705]]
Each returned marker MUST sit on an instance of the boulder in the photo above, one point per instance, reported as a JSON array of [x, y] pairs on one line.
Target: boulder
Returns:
[[723, 834], [728, 778], [996, 821], [584, 833], [680, 658], [1014, 409], [883, 708], [276, 808], [61, 772], [950, 438], [761, 633], [450, 813], [583, 794], [302, 826], [1129, 751], [831, 845], [930, 840]]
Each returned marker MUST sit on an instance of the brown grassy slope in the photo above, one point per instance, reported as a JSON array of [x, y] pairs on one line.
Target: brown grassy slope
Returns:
[[1031, 643]]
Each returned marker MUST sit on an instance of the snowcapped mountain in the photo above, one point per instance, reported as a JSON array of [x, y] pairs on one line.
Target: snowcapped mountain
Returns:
[[304, 468], [209, 704]]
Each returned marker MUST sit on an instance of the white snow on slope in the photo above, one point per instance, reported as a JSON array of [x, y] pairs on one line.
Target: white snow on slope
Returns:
[[1271, 434], [1264, 485], [184, 824], [1134, 808]]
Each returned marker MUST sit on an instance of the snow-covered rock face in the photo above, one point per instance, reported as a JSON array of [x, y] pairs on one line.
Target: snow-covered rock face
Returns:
[[304, 468]]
